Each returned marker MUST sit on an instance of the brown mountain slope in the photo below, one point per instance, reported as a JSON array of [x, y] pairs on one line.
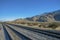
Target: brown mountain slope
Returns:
[[46, 17]]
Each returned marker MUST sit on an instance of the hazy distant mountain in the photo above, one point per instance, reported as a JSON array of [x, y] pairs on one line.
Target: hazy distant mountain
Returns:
[[45, 17]]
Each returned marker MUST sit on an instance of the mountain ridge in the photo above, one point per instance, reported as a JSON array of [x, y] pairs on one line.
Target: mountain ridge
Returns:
[[45, 17]]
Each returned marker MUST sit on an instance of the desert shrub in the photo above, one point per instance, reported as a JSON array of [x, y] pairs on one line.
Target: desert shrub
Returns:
[[39, 25], [34, 23], [23, 23], [52, 25], [29, 24]]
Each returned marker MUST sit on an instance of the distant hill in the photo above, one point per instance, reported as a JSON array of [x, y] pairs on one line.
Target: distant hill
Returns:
[[45, 17]]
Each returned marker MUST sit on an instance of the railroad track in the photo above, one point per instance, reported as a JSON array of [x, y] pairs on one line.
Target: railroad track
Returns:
[[48, 33], [31, 33], [8, 37]]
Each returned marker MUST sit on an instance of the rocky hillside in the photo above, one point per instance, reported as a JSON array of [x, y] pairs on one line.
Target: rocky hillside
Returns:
[[46, 17]]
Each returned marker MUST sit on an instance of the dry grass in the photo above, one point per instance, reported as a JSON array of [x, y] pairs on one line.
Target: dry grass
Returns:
[[43, 25]]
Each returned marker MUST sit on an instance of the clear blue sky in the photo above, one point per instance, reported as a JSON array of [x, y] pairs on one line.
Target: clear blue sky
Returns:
[[13, 9]]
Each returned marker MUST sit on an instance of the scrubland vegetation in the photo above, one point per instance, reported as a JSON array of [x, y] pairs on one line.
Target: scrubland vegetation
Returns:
[[52, 25]]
